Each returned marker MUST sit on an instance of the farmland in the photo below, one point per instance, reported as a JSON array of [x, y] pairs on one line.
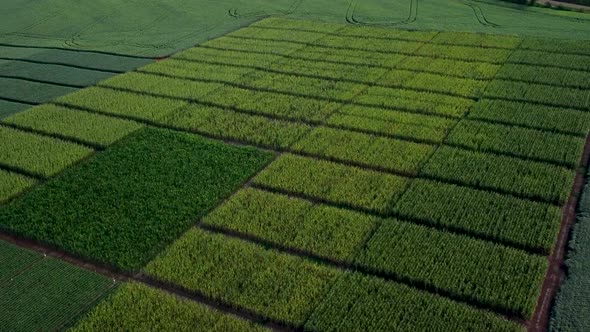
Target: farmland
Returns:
[[303, 175]]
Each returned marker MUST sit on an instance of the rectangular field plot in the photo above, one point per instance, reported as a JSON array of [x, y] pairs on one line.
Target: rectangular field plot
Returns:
[[11, 184], [126, 204], [544, 94], [454, 68]]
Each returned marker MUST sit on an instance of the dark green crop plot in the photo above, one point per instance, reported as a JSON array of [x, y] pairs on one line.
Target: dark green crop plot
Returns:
[[334, 182], [415, 101], [456, 68], [380, 152], [476, 39], [569, 61], [390, 122], [91, 128], [126, 104], [65, 75], [29, 92], [555, 45], [10, 107], [276, 285], [44, 294], [130, 201], [11, 184], [361, 303], [221, 123], [544, 94], [545, 75], [477, 54], [519, 142], [506, 174], [136, 307], [292, 222], [549, 118], [485, 214], [300, 36], [41, 155], [460, 265]]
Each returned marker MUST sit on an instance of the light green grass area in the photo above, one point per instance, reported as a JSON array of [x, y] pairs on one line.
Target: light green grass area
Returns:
[[12, 183]]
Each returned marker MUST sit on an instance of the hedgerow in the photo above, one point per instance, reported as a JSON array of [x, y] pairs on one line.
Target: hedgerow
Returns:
[[489, 215], [380, 152], [462, 266], [279, 286], [121, 103], [476, 39], [535, 116], [571, 61], [41, 155], [551, 95], [477, 54], [390, 122], [545, 75], [507, 174], [217, 122], [362, 303], [90, 128], [127, 203], [137, 307], [457, 68], [12, 184], [520, 142], [291, 222], [333, 182]]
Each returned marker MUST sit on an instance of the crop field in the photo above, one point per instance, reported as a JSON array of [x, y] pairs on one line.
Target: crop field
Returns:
[[300, 175]]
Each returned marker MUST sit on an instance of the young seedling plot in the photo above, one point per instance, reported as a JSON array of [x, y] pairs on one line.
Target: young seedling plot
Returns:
[[369, 179]]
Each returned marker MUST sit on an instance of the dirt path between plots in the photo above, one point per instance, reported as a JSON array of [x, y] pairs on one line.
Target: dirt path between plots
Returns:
[[565, 4], [556, 271]]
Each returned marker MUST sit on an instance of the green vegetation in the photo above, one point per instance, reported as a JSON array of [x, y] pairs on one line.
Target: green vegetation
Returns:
[[558, 59], [337, 183], [41, 155], [462, 87], [545, 75], [529, 92], [279, 286], [11, 184], [473, 269], [485, 214], [291, 222], [465, 53], [362, 303], [136, 307], [507, 174], [44, 294], [455, 68], [90, 128], [374, 151], [126, 204], [477, 40]]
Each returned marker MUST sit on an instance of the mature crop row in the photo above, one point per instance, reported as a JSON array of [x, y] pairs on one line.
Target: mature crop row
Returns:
[[529, 92], [333, 182], [323, 230], [40, 155], [221, 123], [11, 184], [520, 142], [44, 294], [132, 204], [137, 307], [535, 116], [361, 303], [545, 75], [569, 61], [374, 151], [87, 127], [280, 286], [394, 123], [515, 221], [502, 173]]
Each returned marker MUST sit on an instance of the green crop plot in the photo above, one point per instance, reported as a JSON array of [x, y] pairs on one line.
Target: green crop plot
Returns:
[[136, 198], [12, 184], [136, 307]]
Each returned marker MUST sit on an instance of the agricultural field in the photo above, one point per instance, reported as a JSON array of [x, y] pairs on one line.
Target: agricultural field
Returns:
[[300, 175]]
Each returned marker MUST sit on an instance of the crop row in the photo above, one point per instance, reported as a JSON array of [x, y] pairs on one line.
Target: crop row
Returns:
[[90, 128], [491, 55], [11, 184], [529, 92], [542, 117], [224, 124], [137, 307], [506, 174], [380, 152], [569, 61], [476, 39], [333, 182], [41, 293], [456, 68], [459, 265], [506, 219], [186, 69], [295, 24], [369, 44], [162, 181], [464, 87], [545, 75], [520, 142], [293, 35], [390, 122], [555, 45], [40, 155], [245, 274]]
